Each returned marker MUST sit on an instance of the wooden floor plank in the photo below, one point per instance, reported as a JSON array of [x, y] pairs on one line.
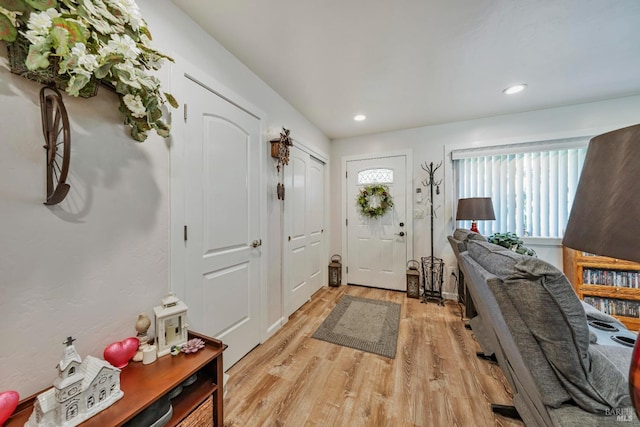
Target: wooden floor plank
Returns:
[[435, 379]]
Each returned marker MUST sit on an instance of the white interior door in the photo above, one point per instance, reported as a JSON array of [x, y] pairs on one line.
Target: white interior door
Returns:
[[304, 228], [377, 248], [222, 268], [315, 214]]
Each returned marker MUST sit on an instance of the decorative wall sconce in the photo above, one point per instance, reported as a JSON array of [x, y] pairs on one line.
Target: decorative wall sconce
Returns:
[[280, 150], [275, 148]]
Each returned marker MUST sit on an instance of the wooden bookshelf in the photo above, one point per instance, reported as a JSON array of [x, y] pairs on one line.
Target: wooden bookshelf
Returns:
[[611, 285], [145, 384]]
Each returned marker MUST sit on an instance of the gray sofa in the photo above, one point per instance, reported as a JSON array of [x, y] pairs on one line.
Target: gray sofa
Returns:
[[458, 243], [531, 320]]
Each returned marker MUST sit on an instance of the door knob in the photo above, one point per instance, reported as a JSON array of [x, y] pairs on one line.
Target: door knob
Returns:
[[401, 234], [256, 243], [402, 224]]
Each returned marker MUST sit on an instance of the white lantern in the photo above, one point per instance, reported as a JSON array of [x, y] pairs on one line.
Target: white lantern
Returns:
[[171, 324]]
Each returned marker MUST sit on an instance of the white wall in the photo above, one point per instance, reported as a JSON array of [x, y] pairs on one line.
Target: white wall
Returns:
[[428, 145], [88, 266], [177, 35]]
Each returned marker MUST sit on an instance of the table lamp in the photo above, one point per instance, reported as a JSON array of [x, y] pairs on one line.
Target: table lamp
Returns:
[[606, 208], [475, 209]]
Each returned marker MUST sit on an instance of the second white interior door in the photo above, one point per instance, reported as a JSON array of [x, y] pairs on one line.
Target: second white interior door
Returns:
[[304, 228], [377, 248]]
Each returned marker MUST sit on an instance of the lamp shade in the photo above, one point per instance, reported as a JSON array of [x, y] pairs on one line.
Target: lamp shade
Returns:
[[605, 216], [475, 208]]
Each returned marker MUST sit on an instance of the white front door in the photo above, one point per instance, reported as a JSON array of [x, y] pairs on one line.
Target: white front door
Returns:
[[377, 248], [304, 228], [222, 268]]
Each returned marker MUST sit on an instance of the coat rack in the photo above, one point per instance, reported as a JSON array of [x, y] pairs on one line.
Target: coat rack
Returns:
[[432, 267]]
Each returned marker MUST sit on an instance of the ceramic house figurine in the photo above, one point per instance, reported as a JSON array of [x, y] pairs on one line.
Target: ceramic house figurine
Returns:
[[82, 389], [171, 324]]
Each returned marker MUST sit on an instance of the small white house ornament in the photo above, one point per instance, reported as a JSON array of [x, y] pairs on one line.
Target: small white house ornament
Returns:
[[81, 390], [171, 324]]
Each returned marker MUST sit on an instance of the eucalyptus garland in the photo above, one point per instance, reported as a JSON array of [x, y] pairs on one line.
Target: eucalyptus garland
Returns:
[[379, 192]]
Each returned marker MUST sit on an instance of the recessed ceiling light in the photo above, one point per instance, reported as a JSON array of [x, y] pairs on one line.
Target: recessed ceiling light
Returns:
[[359, 117], [514, 89]]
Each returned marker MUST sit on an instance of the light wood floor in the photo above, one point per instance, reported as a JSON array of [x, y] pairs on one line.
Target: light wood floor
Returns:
[[435, 379]]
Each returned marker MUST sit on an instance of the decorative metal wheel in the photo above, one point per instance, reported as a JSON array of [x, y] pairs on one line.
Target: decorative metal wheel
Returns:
[[57, 136]]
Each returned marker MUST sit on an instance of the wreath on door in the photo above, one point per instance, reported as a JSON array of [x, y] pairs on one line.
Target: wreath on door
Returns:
[[374, 200]]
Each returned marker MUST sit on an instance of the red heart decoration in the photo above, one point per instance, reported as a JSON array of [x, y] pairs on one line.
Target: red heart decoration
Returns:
[[119, 353], [8, 404]]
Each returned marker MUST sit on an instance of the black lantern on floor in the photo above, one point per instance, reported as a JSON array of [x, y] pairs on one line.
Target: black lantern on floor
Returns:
[[413, 279], [335, 270]]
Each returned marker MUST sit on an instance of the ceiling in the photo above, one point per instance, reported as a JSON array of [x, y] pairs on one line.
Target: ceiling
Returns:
[[410, 63]]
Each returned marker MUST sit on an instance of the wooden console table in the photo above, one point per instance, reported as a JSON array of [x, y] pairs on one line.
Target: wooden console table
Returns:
[[145, 384]]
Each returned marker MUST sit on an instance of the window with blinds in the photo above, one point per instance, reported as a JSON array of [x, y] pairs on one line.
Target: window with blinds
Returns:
[[531, 185]]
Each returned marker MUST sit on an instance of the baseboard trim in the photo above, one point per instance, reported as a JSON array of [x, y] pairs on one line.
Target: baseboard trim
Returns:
[[450, 295], [275, 327], [225, 380]]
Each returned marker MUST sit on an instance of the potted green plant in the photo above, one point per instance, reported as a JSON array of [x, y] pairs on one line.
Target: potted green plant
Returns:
[[511, 241]]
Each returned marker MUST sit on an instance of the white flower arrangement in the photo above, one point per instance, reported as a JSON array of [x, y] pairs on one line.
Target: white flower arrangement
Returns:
[[91, 42]]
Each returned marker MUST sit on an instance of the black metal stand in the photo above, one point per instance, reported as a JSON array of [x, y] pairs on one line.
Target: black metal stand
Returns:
[[506, 411], [490, 358], [432, 267]]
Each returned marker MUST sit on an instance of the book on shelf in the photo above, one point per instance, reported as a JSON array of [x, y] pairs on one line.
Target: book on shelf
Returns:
[[620, 278], [615, 307]]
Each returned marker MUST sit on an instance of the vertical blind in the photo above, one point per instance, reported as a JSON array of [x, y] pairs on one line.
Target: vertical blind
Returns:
[[531, 185]]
